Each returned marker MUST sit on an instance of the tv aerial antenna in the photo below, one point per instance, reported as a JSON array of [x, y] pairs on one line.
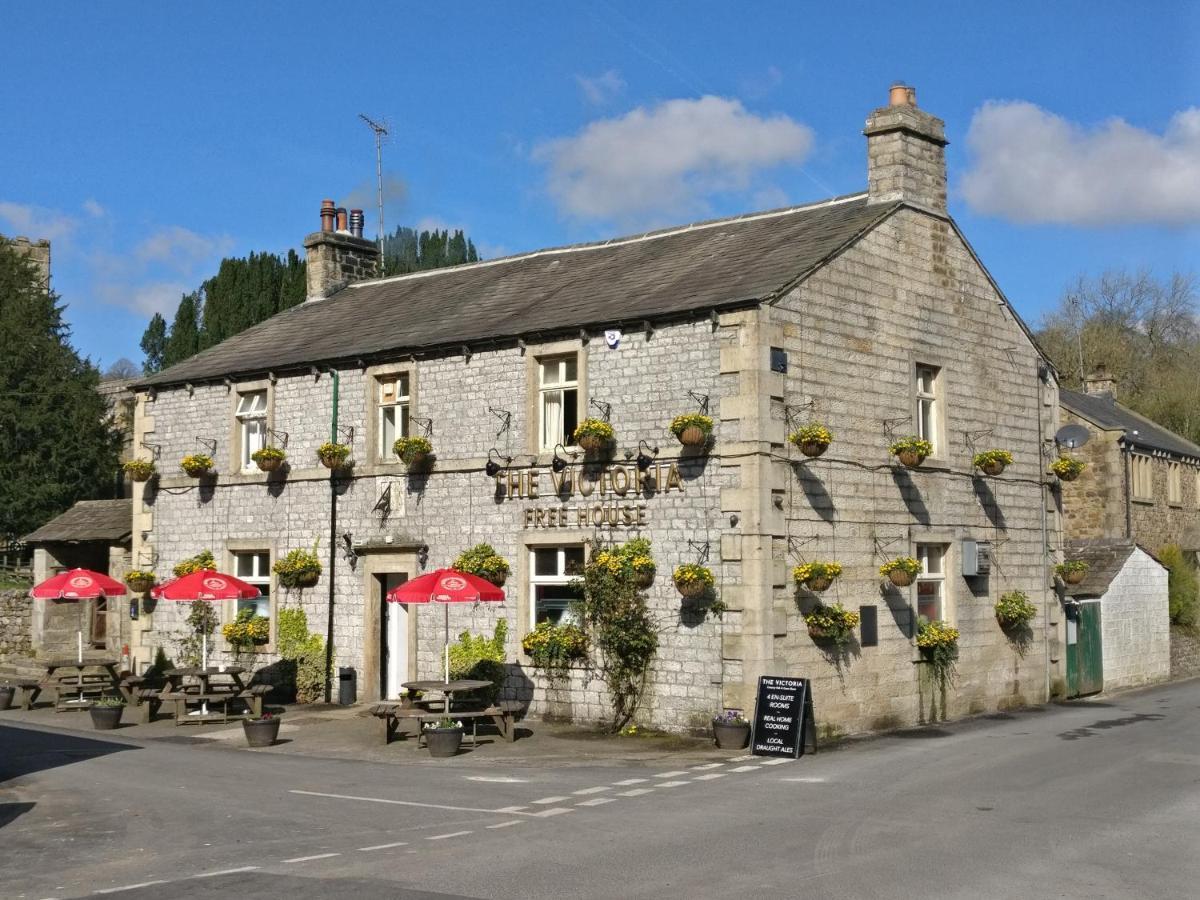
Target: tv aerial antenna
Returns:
[[380, 133]]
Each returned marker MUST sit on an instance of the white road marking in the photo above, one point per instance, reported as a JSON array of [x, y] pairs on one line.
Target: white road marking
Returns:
[[595, 790], [744, 769], [383, 847], [226, 872], [776, 762], [672, 783], [596, 801], [498, 779], [628, 781], [546, 801], [507, 809], [709, 766], [809, 779], [129, 887], [511, 809], [636, 792], [710, 776], [670, 774], [742, 758], [442, 837], [300, 859], [557, 811], [507, 824]]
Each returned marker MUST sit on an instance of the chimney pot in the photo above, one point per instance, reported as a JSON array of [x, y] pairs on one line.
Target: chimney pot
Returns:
[[901, 94], [341, 218], [327, 215], [356, 222]]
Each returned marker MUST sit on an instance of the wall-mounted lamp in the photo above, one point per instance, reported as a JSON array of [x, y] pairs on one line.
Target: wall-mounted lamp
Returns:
[[558, 463], [646, 460], [492, 467]]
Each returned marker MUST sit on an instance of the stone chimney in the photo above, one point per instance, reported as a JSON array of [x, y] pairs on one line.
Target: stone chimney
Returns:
[[337, 256], [1099, 383], [906, 156]]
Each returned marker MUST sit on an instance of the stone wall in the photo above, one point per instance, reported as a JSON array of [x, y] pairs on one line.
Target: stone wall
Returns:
[[16, 624], [1094, 504], [1135, 625], [1157, 522], [1185, 652]]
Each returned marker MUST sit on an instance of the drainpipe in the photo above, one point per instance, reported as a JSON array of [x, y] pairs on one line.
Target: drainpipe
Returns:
[[1043, 377], [333, 436], [1126, 466]]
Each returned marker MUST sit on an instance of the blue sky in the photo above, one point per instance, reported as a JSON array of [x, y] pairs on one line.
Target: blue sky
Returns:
[[149, 140]]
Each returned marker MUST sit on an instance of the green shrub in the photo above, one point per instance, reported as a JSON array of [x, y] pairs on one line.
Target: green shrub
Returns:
[[477, 657], [202, 560], [1183, 590], [484, 561], [305, 651]]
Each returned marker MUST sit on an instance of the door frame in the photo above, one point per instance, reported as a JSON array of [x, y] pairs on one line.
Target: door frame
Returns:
[[373, 564]]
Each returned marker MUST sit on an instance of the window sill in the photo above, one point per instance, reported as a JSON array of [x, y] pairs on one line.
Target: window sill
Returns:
[[1143, 501]]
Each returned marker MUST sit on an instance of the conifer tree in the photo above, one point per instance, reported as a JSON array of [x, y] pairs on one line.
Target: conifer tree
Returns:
[[154, 344]]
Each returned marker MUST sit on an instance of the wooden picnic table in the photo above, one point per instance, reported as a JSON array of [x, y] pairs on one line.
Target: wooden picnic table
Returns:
[[218, 685], [447, 689], [71, 677]]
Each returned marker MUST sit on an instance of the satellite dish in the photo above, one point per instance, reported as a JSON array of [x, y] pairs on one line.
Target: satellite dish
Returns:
[[1072, 436]]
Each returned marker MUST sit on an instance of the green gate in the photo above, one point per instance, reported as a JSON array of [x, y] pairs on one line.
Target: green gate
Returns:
[[1085, 654]]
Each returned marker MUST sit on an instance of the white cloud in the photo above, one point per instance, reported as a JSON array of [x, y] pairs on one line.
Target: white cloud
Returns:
[[667, 160], [146, 298], [601, 89], [1032, 166], [179, 248], [94, 209], [36, 222]]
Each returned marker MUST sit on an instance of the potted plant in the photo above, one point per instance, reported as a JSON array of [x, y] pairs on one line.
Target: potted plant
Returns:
[[593, 435], [139, 580], [731, 731], [202, 560], [333, 455], [268, 459], [911, 451], [261, 731], [1014, 610], [938, 643], [413, 451], [901, 571], [443, 737], [139, 469], [106, 712], [298, 569], [196, 465], [812, 439], [644, 569], [693, 580], [484, 561], [247, 631], [992, 462], [692, 429], [552, 646], [1071, 571], [1067, 468], [817, 576], [831, 623]]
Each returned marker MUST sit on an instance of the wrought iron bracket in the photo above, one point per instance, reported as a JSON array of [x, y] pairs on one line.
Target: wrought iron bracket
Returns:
[[701, 399], [209, 444], [701, 548], [505, 418], [155, 449], [280, 436], [605, 408], [426, 425]]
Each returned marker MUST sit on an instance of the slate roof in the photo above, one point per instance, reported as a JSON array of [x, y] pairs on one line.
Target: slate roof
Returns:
[[110, 521], [724, 263], [1106, 412], [1105, 558]]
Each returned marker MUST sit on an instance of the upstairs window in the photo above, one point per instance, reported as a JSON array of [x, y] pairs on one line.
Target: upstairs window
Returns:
[[558, 400], [1143, 477], [927, 405], [1174, 486], [252, 425], [931, 582], [393, 405]]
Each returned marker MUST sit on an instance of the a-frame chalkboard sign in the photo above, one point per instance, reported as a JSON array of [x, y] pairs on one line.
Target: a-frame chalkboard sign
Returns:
[[783, 718]]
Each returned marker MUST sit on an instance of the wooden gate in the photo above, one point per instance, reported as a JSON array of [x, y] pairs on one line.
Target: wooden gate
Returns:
[[1085, 652]]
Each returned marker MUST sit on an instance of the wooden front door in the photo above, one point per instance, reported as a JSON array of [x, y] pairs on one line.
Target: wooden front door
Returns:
[[1085, 651]]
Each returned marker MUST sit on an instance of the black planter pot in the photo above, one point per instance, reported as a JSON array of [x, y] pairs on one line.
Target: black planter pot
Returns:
[[106, 718], [731, 737], [6, 696], [443, 742], [261, 732]]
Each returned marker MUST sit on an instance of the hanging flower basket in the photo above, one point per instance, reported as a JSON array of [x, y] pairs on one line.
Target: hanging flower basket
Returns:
[[1072, 571], [413, 451], [196, 465], [593, 435], [831, 623], [817, 576], [333, 456], [268, 459], [299, 569], [812, 439], [139, 580], [484, 561], [1067, 468], [692, 429], [139, 469], [1014, 610], [693, 580], [643, 575], [911, 451], [202, 560], [902, 571], [992, 462]]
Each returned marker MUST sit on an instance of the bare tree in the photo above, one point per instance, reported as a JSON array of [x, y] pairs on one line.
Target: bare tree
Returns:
[[123, 369]]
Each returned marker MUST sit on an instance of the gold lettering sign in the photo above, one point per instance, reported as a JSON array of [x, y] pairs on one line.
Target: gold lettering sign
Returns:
[[610, 500]]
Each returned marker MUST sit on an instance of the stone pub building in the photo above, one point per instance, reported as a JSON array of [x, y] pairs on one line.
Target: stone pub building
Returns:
[[869, 313]]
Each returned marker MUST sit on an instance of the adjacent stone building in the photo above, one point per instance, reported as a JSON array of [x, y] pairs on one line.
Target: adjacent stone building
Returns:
[[869, 313]]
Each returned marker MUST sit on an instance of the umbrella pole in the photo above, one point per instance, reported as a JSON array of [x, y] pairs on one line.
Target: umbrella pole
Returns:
[[447, 653], [204, 665]]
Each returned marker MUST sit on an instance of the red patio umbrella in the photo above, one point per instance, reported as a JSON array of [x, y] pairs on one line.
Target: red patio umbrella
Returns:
[[205, 584], [446, 586], [77, 584]]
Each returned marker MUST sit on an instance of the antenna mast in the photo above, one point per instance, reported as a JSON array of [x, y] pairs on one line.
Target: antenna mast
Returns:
[[380, 134]]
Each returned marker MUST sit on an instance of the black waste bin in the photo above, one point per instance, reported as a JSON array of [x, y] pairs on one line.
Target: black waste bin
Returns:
[[347, 685]]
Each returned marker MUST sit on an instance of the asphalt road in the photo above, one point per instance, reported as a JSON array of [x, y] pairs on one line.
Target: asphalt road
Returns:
[[1092, 800]]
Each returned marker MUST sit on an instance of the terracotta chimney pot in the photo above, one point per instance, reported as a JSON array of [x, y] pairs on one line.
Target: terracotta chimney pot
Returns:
[[901, 95], [327, 215], [341, 218]]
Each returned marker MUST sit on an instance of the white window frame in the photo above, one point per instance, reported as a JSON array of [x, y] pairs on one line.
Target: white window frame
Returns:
[[260, 577], [560, 577], [928, 407], [937, 579], [401, 403], [550, 435], [251, 423]]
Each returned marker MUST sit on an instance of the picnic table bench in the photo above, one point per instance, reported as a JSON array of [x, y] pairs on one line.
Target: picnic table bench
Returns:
[[395, 718], [30, 688]]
